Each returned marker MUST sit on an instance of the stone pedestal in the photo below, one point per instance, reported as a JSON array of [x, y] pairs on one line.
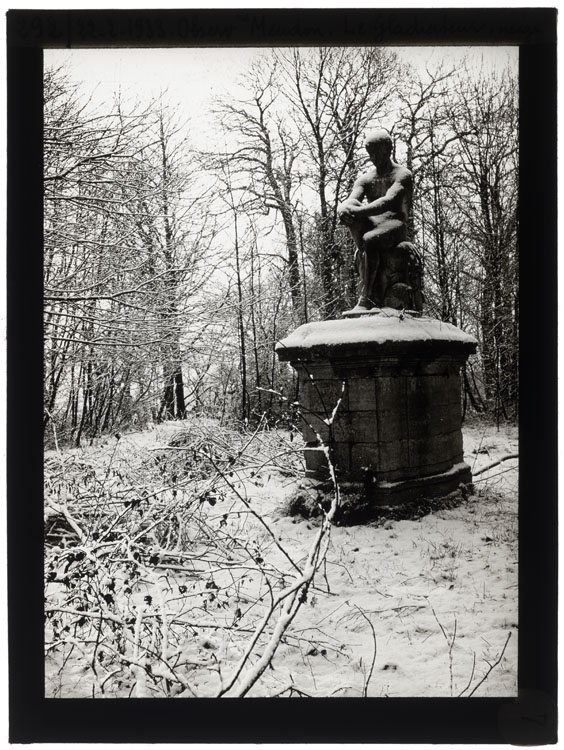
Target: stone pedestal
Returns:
[[383, 393]]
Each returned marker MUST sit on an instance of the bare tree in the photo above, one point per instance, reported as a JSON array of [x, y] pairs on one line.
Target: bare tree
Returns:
[[460, 132], [430, 144], [485, 119], [122, 259], [266, 154], [335, 94], [84, 234], [175, 235]]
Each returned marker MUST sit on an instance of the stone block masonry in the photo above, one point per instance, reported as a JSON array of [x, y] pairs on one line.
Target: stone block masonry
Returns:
[[383, 393]]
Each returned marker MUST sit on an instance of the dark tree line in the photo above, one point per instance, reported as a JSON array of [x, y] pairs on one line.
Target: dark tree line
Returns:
[[123, 265], [299, 146], [170, 275]]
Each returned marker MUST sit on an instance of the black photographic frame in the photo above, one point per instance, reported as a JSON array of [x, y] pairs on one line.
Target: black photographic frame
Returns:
[[531, 718]]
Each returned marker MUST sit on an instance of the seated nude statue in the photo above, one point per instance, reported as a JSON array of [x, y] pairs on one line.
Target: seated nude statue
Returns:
[[379, 225]]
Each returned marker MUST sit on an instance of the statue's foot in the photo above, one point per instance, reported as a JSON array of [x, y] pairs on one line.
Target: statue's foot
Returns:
[[364, 306]]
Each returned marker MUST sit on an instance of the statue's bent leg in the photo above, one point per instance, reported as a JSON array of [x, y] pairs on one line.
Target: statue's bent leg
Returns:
[[378, 242], [366, 264], [372, 265]]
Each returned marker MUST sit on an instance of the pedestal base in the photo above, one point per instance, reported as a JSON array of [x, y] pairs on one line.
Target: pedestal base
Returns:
[[377, 503], [382, 393], [436, 485]]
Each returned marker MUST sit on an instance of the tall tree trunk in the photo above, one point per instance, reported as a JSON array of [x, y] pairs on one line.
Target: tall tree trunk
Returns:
[[241, 327]]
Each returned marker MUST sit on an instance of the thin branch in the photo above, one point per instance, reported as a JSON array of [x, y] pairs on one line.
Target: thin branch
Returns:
[[365, 690], [492, 667], [509, 457]]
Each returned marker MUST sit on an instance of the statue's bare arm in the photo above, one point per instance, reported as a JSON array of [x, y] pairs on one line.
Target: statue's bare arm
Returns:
[[353, 208], [348, 210], [391, 201]]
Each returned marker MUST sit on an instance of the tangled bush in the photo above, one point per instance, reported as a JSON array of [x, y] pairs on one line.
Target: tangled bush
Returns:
[[160, 577]]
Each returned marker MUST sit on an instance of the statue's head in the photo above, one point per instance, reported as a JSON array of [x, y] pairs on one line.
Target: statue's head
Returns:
[[378, 142]]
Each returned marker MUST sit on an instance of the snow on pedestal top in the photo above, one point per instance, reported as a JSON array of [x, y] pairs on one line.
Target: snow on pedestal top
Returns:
[[387, 327]]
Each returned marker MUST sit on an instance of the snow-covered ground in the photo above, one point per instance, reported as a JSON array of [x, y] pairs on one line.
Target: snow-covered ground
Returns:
[[440, 593], [401, 608]]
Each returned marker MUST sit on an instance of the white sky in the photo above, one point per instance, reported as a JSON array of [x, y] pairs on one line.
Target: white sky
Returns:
[[193, 77]]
